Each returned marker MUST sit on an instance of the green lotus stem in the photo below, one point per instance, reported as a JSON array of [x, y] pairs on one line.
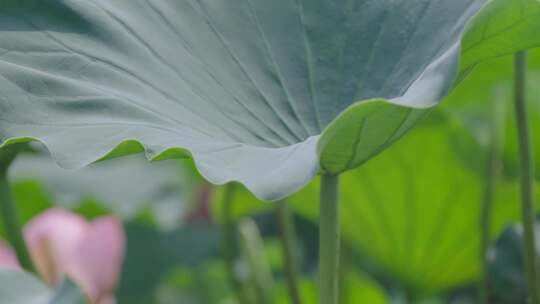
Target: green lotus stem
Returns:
[[288, 240], [526, 176], [329, 240], [260, 271], [9, 213], [345, 267], [228, 240], [492, 174]]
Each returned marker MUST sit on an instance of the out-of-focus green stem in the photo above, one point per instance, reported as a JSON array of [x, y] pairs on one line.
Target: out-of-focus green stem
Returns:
[[329, 240], [345, 269], [288, 246], [259, 269], [527, 176], [493, 166], [8, 210], [228, 240]]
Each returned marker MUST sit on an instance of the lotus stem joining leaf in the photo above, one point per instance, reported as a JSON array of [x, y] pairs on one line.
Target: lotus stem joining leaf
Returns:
[[267, 93]]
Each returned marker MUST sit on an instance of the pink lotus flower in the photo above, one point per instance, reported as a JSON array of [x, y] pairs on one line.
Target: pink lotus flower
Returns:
[[63, 243]]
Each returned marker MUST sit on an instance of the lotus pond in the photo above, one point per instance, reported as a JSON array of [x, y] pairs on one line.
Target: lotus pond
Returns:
[[269, 151]]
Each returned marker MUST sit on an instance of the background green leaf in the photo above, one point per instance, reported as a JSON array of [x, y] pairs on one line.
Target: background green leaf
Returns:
[[417, 218], [470, 104], [152, 255], [414, 211], [360, 289], [68, 293], [507, 279]]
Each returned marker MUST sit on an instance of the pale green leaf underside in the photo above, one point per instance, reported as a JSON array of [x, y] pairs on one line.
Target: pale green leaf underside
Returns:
[[18, 287], [245, 87]]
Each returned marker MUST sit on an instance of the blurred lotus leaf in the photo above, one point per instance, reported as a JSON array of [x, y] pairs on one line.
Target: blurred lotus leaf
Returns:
[[18, 287], [125, 186]]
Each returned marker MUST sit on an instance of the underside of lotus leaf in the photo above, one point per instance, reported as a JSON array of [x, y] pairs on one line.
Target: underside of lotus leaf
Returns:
[[266, 93]]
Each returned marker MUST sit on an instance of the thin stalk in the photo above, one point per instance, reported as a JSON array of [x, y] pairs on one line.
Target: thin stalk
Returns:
[[259, 268], [228, 241], [526, 176], [493, 166], [329, 240], [345, 267], [9, 213], [288, 239]]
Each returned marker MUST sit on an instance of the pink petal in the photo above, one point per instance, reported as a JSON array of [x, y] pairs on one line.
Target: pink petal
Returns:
[[8, 260], [53, 239], [100, 257], [91, 254]]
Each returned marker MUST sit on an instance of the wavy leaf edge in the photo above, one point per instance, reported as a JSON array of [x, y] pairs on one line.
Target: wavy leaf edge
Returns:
[[319, 142]]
